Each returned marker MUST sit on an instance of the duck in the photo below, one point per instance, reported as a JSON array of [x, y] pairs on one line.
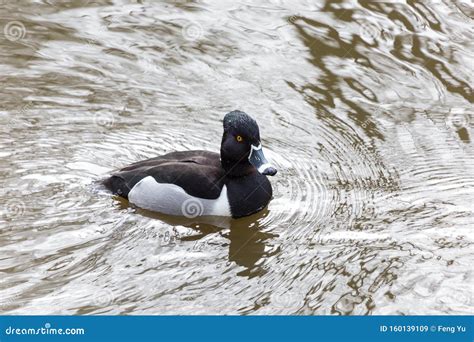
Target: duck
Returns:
[[232, 183]]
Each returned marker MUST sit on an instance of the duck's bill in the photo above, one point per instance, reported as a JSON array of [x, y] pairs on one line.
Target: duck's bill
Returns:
[[257, 159]]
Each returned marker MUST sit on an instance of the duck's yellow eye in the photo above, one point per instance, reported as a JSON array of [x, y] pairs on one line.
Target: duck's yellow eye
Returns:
[[239, 138]]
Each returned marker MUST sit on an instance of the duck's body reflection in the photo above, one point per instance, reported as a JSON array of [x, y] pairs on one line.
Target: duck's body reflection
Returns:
[[247, 240]]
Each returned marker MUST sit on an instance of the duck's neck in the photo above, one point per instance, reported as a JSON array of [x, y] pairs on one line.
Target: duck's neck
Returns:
[[235, 168]]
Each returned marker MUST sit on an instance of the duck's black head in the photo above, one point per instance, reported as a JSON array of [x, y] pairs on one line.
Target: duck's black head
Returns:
[[241, 150]]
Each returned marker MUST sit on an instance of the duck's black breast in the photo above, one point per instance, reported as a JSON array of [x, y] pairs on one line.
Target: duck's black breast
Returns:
[[248, 194], [199, 173]]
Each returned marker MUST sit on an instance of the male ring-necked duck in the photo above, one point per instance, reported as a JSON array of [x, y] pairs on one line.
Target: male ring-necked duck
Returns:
[[195, 183]]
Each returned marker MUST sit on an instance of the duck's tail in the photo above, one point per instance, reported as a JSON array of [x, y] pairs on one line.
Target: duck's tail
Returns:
[[117, 185]]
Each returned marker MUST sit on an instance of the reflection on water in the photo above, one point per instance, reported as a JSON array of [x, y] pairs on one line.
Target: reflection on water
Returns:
[[365, 108]]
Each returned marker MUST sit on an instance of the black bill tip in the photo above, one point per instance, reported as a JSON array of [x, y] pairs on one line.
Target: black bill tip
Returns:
[[269, 171]]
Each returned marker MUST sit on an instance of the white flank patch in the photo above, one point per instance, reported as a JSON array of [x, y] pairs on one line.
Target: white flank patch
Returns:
[[171, 199]]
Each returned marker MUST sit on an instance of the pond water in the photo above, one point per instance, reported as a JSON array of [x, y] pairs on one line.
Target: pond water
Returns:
[[364, 107]]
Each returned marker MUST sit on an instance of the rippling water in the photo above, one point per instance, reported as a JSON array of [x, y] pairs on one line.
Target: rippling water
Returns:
[[364, 107]]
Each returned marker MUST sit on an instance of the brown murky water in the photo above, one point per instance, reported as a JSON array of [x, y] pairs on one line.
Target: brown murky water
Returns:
[[365, 108]]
